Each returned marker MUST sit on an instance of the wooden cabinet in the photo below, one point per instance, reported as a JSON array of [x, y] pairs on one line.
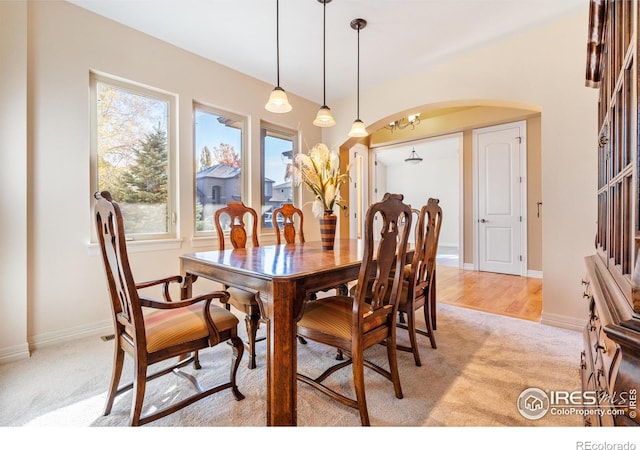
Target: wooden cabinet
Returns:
[[610, 361]]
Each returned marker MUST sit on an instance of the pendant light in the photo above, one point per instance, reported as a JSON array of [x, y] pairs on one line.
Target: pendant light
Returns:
[[413, 158], [278, 101], [324, 118], [358, 129]]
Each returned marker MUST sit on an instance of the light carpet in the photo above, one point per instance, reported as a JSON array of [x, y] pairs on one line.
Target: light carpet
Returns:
[[482, 364]]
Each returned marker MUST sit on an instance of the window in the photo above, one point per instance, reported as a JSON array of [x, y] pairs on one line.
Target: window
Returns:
[[218, 145], [132, 150], [278, 148]]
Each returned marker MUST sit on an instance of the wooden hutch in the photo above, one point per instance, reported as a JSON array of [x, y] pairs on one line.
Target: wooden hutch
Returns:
[[610, 362]]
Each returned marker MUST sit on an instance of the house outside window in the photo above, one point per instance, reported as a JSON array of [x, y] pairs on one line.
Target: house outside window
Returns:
[[278, 147], [218, 146], [132, 149]]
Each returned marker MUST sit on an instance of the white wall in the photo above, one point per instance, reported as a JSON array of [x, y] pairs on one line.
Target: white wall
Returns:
[[437, 176], [60, 291], [542, 67]]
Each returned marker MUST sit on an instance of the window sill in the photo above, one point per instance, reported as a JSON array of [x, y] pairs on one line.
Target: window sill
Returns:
[[141, 246], [205, 241]]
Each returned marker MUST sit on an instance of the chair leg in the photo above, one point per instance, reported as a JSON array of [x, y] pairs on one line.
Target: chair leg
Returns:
[[411, 329], [358, 382], [196, 360], [393, 365], [428, 315], [238, 351], [139, 387], [118, 361], [252, 322], [432, 302]]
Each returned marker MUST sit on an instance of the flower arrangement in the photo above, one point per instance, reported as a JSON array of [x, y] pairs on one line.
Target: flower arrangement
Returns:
[[319, 170]]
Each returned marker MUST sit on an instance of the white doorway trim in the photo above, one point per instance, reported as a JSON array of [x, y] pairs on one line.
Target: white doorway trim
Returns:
[[358, 189], [522, 125]]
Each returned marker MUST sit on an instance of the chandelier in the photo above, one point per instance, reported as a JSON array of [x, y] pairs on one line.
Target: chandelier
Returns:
[[404, 122]]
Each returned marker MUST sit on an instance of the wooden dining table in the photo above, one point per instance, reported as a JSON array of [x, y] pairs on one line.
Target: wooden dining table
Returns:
[[284, 276]]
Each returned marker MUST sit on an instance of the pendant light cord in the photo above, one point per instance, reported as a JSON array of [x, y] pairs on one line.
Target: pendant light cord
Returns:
[[278, 42], [324, 54], [358, 84]]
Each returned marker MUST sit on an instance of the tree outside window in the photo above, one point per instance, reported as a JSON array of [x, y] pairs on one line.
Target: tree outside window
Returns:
[[133, 154]]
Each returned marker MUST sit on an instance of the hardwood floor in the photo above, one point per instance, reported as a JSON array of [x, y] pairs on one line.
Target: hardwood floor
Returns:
[[508, 295]]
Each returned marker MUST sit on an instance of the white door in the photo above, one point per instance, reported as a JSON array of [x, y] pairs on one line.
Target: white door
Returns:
[[500, 157], [358, 189]]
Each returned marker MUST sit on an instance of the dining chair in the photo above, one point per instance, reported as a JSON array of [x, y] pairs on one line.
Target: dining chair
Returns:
[[243, 299], [153, 331], [290, 216], [354, 323], [418, 285]]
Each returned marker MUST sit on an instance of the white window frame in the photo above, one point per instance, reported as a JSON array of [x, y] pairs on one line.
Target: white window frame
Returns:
[[203, 237], [171, 99], [295, 137]]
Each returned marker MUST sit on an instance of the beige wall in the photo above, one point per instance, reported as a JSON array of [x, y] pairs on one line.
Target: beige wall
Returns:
[[60, 292], [14, 288], [541, 68], [534, 193]]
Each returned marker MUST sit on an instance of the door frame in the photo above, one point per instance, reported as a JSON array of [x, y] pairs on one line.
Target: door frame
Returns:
[[361, 192], [523, 191]]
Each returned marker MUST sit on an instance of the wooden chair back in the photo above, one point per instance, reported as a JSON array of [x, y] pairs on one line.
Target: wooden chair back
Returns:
[[125, 301], [290, 215], [237, 213], [424, 259], [384, 270]]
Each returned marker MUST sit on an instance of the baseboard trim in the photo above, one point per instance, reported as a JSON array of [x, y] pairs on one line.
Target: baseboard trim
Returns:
[[560, 321], [534, 273], [95, 329], [468, 266], [14, 353]]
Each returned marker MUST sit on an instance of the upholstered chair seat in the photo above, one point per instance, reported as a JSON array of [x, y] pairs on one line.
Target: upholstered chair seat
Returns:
[[170, 327]]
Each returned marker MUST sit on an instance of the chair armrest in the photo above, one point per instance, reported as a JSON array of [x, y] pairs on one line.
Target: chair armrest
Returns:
[[165, 289], [151, 303]]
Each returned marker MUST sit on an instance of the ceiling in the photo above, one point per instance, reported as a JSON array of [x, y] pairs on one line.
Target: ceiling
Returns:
[[402, 36]]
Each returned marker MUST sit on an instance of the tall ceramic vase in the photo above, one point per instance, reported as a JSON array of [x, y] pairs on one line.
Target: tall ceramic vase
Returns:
[[328, 230]]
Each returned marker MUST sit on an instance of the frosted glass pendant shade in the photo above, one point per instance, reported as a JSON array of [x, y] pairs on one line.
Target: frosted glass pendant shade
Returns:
[[278, 101], [324, 118], [358, 129]]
